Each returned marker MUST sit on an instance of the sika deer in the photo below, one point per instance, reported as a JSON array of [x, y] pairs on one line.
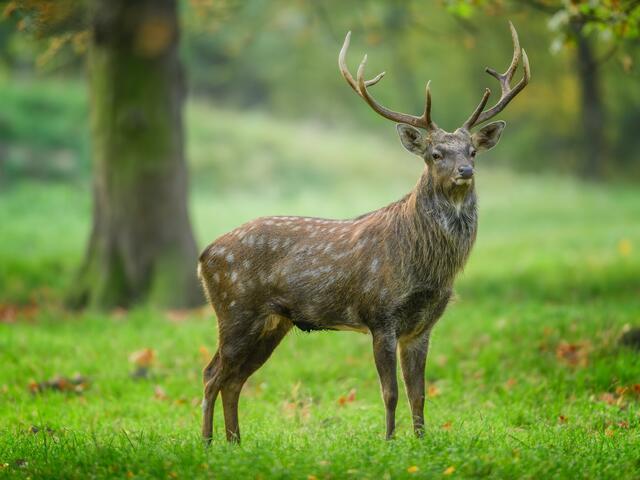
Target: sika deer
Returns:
[[389, 272]]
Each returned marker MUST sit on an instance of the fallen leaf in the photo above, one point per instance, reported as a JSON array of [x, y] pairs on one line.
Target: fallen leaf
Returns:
[[510, 383], [621, 390], [449, 470], [312, 477], [77, 384], [609, 432], [433, 391], [348, 398], [624, 247], [623, 424], [12, 313], [573, 354], [562, 419], [446, 426], [159, 393], [143, 358], [413, 469], [608, 398], [205, 354]]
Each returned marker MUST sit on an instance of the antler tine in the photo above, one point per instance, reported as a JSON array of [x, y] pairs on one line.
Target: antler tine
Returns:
[[342, 64], [427, 107], [471, 121], [505, 78], [360, 87]]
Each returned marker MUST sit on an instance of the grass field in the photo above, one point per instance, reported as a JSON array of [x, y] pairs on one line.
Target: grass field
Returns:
[[525, 375]]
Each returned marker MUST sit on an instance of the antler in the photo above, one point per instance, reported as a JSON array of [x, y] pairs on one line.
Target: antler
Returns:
[[508, 93], [360, 87]]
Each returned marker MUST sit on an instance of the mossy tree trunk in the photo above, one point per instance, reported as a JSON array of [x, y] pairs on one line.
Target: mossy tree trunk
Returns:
[[141, 246]]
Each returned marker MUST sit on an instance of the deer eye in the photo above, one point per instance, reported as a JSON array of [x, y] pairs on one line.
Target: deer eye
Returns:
[[473, 153], [436, 156]]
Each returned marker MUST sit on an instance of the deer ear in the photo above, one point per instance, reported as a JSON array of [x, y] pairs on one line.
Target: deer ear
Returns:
[[411, 138], [488, 136]]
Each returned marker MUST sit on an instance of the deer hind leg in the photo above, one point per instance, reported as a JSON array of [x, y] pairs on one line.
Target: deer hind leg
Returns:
[[384, 352], [213, 379], [413, 357], [260, 349]]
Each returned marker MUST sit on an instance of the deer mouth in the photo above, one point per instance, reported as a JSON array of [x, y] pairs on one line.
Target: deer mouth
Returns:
[[462, 181]]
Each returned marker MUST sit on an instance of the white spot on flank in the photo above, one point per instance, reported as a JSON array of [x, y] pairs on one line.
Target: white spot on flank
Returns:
[[229, 257], [234, 276], [246, 263], [232, 303], [216, 277], [375, 265], [268, 222]]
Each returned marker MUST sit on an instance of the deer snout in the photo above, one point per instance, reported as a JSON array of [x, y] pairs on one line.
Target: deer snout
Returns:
[[465, 171]]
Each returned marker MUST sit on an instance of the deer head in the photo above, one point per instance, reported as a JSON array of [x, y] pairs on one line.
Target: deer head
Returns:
[[449, 156]]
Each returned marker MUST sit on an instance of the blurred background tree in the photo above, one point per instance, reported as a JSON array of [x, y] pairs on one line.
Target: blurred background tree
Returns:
[[141, 246]]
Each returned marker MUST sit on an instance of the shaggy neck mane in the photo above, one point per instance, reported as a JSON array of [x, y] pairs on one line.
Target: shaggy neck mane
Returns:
[[429, 233]]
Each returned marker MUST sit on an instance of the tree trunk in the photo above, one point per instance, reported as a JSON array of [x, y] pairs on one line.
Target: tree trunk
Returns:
[[592, 110], [141, 246]]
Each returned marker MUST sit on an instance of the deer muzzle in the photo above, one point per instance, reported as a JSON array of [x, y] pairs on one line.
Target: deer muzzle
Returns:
[[465, 172]]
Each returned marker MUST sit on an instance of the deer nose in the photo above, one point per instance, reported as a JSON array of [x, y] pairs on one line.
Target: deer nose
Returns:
[[465, 171]]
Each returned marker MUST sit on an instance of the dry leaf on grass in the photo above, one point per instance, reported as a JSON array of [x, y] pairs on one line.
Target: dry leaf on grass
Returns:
[[413, 469], [348, 398], [432, 391], [449, 470], [143, 358], [205, 354], [12, 313], [573, 354], [77, 384], [159, 393], [510, 383]]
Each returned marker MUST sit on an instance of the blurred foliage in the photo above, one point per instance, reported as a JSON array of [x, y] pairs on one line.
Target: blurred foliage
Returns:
[[615, 24], [280, 56]]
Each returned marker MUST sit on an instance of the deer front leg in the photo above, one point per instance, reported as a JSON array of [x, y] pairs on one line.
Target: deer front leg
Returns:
[[384, 352], [413, 357]]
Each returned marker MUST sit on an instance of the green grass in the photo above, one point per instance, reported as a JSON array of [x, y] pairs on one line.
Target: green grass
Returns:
[[556, 263]]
